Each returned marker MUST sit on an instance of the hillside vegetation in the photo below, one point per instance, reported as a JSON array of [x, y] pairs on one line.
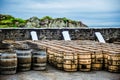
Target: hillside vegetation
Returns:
[[8, 21]]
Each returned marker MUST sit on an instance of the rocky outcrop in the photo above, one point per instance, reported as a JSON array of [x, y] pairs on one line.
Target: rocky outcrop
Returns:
[[33, 22], [47, 22]]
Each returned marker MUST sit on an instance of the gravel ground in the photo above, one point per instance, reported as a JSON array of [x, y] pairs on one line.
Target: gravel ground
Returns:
[[54, 74]]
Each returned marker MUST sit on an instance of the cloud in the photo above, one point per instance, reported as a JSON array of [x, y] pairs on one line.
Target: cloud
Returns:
[[68, 5], [90, 12], [71, 5]]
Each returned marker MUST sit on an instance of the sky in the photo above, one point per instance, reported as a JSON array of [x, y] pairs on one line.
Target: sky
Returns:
[[90, 12]]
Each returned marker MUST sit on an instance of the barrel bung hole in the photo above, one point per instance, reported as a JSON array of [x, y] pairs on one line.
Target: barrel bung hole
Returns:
[[83, 66]]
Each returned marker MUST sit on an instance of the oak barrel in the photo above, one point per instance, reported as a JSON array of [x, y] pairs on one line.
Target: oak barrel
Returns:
[[114, 61], [24, 59], [84, 60], [39, 59], [70, 62], [8, 62]]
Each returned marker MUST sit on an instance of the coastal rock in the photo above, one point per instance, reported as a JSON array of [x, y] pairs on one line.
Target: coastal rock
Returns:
[[48, 22]]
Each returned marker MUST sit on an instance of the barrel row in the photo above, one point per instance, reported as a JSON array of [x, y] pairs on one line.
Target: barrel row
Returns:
[[102, 55], [22, 60], [69, 56], [84, 60]]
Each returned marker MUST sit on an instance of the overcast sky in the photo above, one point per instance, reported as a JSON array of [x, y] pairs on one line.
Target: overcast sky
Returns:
[[90, 12]]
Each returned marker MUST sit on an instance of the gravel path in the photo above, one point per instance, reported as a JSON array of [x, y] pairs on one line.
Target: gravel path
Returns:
[[54, 74]]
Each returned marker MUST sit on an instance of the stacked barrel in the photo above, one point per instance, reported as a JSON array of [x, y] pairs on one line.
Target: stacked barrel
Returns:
[[82, 55], [63, 59], [76, 55], [20, 56], [112, 58]]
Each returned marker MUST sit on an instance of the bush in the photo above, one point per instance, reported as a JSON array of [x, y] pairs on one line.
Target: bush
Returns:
[[46, 17]]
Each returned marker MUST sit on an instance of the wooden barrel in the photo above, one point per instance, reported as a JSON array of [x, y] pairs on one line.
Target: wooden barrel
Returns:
[[54, 61], [97, 60], [70, 62], [24, 59], [39, 59], [0, 62], [105, 59], [59, 59], [8, 62], [40, 67], [84, 61], [55, 58], [50, 55], [114, 61], [5, 46]]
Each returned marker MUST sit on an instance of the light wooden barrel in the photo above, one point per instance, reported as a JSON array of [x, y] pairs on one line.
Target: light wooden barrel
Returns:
[[114, 61], [70, 62], [54, 61], [59, 59], [84, 60], [105, 58], [97, 60], [50, 55]]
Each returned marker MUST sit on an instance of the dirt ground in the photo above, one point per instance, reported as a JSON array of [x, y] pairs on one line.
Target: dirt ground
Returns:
[[53, 74]]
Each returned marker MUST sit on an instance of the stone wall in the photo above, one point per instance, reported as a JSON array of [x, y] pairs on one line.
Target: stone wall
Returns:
[[56, 34]]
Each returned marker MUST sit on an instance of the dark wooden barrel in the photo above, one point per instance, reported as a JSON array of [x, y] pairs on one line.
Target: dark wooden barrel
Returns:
[[8, 62], [24, 59], [0, 61], [39, 59]]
